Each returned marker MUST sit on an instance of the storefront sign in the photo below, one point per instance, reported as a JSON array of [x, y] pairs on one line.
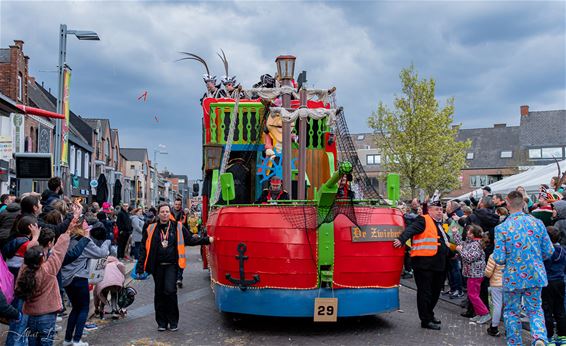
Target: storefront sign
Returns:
[[6, 148]]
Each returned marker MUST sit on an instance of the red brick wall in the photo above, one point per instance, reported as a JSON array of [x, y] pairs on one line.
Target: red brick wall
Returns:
[[9, 72], [28, 124]]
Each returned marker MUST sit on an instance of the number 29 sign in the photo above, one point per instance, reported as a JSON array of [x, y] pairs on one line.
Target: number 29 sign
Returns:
[[325, 309]]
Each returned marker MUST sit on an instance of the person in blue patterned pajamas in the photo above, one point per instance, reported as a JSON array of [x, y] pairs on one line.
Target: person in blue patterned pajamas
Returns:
[[522, 244]]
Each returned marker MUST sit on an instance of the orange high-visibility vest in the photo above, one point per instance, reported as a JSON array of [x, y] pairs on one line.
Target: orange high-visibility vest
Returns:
[[426, 243], [180, 244]]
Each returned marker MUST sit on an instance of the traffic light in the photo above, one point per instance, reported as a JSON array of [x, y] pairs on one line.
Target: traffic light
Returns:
[[196, 189]]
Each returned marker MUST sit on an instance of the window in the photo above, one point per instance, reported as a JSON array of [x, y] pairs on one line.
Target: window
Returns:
[[72, 159], [132, 167], [546, 153], [79, 163], [549, 153], [482, 180], [506, 154], [360, 137], [86, 172], [107, 150], [535, 154], [20, 87], [373, 159], [469, 156]]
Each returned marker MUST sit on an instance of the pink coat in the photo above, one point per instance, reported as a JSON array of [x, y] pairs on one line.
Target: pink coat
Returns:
[[114, 275]]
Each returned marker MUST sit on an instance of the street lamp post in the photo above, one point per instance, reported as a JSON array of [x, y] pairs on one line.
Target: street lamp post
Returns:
[[159, 150], [81, 35]]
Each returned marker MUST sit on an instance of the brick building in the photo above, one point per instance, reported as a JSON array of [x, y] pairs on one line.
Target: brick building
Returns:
[[14, 72], [38, 133]]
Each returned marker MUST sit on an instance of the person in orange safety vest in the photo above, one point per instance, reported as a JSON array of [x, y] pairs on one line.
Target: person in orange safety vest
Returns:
[[429, 257], [162, 253]]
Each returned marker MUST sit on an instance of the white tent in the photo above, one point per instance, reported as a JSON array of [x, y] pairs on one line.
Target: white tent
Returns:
[[531, 180]]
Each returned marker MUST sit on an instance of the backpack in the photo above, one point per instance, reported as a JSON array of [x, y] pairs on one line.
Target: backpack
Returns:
[[6, 281], [116, 232], [96, 270]]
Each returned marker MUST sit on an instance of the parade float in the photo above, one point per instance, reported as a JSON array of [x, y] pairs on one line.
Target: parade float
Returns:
[[319, 254]]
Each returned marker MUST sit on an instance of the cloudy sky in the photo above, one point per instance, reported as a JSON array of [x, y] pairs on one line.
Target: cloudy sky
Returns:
[[492, 56]]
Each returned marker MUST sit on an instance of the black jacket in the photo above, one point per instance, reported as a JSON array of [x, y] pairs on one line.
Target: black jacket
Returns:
[[152, 260], [109, 226], [6, 310], [48, 197], [487, 219], [124, 222], [178, 214], [433, 263], [345, 193], [266, 196], [7, 219], [59, 228]]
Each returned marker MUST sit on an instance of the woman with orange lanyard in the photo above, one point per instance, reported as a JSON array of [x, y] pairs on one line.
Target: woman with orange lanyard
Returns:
[[162, 252]]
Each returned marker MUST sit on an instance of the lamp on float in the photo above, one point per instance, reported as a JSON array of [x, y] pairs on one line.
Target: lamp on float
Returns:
[[285, 68]]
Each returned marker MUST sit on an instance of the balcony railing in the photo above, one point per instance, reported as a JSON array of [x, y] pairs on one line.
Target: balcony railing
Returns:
[[249, 125]]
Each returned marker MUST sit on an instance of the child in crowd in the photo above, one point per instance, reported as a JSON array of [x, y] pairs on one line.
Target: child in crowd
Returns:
[[494, 272], [37, 286], [553, 294], [75, 279], [503, 213], [13, 252], [473, 261], [114, 276]]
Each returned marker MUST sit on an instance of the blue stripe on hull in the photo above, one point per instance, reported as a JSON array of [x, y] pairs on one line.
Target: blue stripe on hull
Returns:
[[300, 303]]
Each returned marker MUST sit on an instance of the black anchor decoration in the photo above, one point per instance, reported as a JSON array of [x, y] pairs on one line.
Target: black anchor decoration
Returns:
[[242, 282]]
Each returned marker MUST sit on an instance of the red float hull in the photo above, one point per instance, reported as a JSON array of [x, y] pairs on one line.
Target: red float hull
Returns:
[[286, 257]]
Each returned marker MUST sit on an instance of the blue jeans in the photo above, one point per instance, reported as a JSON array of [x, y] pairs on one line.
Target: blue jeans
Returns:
[[41, 329], [17, 333], [77, 291], [136, 250], [455, 275]]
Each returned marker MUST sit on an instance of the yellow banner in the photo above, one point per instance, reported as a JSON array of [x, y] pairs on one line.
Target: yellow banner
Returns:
[[65, 122]]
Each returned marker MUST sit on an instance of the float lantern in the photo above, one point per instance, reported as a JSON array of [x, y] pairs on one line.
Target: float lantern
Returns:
[[285, 66]]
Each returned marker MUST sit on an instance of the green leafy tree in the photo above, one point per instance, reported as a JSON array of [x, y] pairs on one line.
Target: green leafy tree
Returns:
[[417, 139]]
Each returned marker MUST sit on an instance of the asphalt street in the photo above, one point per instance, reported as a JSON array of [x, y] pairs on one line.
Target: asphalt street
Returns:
[[202, 324]]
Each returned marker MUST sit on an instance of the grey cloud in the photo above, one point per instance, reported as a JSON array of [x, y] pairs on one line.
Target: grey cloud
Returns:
[[491, 57]]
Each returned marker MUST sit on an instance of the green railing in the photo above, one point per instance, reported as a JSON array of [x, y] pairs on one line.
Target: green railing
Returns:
[[249, 125], [315, 133]]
